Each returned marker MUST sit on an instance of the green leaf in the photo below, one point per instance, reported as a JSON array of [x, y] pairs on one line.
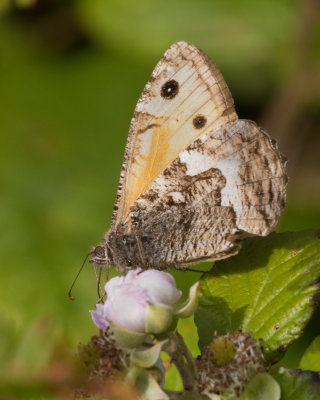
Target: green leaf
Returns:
[[311, 358], [268, 289], [261, 387], [297, 384]]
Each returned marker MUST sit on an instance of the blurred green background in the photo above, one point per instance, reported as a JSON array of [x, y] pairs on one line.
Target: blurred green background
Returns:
[[70, 75]]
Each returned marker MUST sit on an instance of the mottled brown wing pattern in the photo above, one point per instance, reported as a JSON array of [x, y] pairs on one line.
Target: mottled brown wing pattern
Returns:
[[224, 184], [195, 178], [167, 119]]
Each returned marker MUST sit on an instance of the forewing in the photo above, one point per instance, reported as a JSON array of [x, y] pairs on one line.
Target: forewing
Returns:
[[225, 183], [164, 124]]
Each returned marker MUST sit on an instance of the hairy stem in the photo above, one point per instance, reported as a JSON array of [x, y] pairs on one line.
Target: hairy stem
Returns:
[[182, 359], [193, 395]]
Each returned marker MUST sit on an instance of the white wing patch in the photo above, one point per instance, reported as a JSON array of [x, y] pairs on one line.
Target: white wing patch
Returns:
[[196, 162], [230, 170]]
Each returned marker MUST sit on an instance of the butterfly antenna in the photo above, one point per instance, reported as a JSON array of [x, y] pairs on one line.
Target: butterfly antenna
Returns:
[[75, 279]]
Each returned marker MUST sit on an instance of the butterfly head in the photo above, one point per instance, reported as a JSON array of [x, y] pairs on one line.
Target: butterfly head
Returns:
[[99, 257]]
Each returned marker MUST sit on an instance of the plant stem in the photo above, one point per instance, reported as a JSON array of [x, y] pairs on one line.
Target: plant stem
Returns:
[[182, 359], [190, 395]]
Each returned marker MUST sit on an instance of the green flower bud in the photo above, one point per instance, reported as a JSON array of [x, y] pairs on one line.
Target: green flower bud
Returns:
[[223, 350]]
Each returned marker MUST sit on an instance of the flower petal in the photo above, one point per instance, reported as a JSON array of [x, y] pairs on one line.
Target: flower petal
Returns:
[[113, 283], [132, 275], [127, 306], [99, 317], [161, 286]]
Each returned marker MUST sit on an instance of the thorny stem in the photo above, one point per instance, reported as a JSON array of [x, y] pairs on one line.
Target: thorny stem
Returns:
[[182, 359]]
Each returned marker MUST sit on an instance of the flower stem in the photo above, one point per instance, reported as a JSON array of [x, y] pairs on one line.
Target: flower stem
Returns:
[[192, 395], [182, 359]]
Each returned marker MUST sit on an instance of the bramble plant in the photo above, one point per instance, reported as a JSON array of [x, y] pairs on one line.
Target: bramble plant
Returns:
[[248, 309]]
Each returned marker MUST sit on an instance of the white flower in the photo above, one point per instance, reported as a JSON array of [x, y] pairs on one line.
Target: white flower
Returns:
[[131, 299]]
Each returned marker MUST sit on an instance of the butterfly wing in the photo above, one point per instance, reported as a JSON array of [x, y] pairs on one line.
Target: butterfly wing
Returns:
[[230, 181], [185, 97]]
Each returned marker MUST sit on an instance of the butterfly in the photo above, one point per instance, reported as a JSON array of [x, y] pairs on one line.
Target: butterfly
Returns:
[[195, 179]]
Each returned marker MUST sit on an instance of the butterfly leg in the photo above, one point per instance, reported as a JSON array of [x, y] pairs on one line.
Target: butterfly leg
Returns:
[[99, 288], [98, 282]]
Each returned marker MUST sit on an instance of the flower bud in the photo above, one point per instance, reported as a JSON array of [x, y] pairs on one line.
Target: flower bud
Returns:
[[140, 302], [223, 350]]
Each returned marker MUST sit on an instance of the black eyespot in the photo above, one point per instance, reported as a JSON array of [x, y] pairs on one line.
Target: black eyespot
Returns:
[[199, 121], [170, 89]]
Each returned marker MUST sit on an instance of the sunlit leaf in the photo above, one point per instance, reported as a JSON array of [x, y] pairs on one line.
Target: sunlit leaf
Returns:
[[311, 358], [267, 289]]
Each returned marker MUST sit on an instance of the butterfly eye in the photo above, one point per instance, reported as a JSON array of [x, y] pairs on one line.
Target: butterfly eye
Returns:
[[170, 89], [199, 121], [99, 252]]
